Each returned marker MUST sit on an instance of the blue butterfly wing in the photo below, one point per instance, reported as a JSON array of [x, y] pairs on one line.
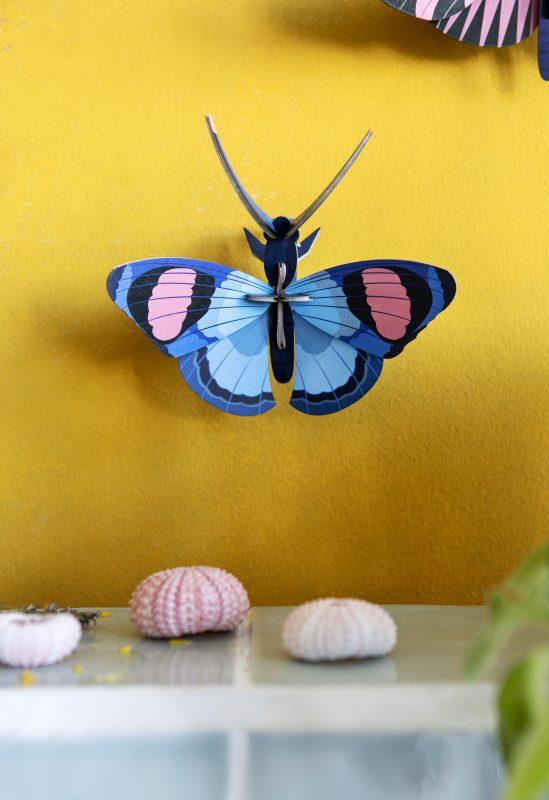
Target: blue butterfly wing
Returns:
[[330, 374], [184, 304], [195, 311], [373, 308], [232, 373], [376, 306]]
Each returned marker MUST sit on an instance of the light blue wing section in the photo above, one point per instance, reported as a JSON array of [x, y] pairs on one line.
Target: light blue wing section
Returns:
[[232, 373], [330, 373]]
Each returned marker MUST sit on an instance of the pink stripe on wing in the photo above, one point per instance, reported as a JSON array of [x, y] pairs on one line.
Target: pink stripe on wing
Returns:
[[388, 301], [425, 8], [169, 303], [523, 6], [490, 8], [507, 7], [473, 8]]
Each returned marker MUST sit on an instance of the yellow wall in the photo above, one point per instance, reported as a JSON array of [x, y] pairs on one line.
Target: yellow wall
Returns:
[[428, 490]]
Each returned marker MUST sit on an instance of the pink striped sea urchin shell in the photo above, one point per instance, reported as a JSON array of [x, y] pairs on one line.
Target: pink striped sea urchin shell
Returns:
[[37, 640], [334, 629], [186, 600]]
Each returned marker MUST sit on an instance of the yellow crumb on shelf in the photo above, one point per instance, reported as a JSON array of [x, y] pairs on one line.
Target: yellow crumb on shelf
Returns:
[[109, 677], [78, 669], [27, 678], [125, 650], [179, 642]]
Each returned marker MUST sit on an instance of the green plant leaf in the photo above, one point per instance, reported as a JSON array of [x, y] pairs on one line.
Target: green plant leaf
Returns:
[[522, 694], [529, 774], [522, 599]]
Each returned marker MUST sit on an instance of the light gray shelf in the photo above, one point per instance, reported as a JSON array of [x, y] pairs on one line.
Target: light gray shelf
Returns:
[[232, 717], [245, 680]]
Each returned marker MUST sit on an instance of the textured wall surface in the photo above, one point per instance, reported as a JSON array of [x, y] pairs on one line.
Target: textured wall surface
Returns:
[[429, 489]]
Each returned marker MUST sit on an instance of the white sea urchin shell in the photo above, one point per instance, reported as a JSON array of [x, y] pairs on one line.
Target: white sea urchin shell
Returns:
[[334, 629], [37, 640]]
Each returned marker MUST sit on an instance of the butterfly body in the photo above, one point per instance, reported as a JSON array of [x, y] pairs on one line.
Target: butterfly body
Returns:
[[330, 331], [277, 251]]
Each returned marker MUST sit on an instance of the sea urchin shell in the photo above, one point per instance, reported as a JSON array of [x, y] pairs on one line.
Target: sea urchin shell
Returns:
[[186, 600], [37, 640], [334, 629]]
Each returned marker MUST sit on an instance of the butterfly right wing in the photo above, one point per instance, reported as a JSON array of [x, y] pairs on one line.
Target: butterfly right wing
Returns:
[[355, 316], [376, 306], [330, 373]]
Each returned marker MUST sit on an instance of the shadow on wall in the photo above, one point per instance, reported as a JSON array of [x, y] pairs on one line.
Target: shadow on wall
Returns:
[[103, 334], [480, 486], [469, 465], [363, 24]]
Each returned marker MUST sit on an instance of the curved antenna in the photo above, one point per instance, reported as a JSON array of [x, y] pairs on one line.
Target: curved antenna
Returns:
[[315, 205], [263, 220]]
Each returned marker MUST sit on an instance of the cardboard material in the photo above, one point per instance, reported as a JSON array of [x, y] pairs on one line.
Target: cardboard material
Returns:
[[335, 327]]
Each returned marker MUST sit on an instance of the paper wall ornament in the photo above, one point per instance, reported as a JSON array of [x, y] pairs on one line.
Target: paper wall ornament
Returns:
[[330, 331], [486, 23]]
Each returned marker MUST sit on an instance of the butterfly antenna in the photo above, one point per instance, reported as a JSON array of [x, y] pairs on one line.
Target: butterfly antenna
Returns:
[[315, 205], [263, 220]]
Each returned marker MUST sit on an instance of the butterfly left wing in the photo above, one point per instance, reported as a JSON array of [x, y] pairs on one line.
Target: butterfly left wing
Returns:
[[182, 304], [232, 373], [492, 23], [357, 315], [197, 311]]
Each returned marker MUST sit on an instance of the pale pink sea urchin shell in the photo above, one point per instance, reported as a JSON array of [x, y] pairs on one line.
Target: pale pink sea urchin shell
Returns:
[[37, 640], [186, 600], [334, 629]]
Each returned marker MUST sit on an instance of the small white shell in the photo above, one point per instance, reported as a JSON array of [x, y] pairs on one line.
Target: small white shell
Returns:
[[334, 629], [37, 640]]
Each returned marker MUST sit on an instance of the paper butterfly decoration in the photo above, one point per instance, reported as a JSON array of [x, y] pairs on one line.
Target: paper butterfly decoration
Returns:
[[486, 23], [333, 329]]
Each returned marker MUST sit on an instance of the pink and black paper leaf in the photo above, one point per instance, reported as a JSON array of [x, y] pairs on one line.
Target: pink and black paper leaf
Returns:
[[429, 9], [486, 23], [492, 23]]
